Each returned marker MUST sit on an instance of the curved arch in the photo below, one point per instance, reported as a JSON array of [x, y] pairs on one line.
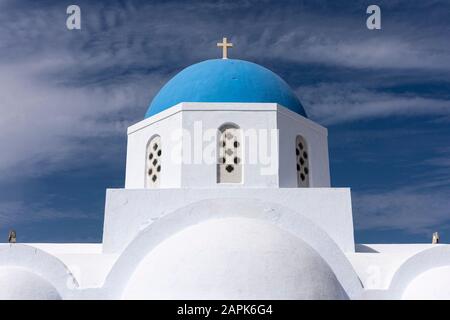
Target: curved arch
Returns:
[[233, 258], [435, 257], [227, 125], [40, 263], [151, 138], [282, 217]]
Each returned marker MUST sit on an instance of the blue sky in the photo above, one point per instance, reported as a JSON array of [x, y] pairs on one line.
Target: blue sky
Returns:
[[67, 97]]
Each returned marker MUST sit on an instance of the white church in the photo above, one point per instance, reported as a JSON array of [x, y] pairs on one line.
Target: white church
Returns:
[[227, 196]]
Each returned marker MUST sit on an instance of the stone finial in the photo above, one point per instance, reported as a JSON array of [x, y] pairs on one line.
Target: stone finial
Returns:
[[435, 239], [12, 238]]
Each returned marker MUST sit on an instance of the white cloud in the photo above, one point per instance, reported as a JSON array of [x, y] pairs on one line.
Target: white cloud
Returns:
[[354, 51], [406, 210], [16, 212], [44, 124], [337, 103]]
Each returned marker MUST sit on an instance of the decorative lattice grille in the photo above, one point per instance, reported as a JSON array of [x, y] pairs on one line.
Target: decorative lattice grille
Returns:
[[301, 152], [153, 163], [229, 166]]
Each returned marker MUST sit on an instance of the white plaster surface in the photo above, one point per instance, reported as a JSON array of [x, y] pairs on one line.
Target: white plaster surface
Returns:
[[85, 261], [377, 264], [386, 270], [436, 256], [129, 211], [22, 284], [45, 268], [433, 284], [68, 248], [233, 258], [265, 165], [276, 215], [138, 137], [291, 125]]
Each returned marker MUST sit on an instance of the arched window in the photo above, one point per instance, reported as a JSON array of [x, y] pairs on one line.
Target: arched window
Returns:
[[229, 162], [301, 151], [153, 163]]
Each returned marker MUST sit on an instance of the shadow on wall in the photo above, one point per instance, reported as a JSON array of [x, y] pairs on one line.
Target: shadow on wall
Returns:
[[362, 248]]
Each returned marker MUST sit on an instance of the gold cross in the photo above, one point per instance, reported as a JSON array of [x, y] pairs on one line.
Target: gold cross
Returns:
[[225, 45]]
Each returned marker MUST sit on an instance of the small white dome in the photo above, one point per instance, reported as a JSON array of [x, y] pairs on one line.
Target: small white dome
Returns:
[[433, 284], [233, 258], [20, 284]]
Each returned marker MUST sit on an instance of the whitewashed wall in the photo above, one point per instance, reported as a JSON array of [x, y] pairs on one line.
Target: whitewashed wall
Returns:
[[257, 117], [128, 212]]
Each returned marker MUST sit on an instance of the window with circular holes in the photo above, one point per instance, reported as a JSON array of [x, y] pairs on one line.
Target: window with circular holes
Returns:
[[229, 166], [301, 151], [153, 163]]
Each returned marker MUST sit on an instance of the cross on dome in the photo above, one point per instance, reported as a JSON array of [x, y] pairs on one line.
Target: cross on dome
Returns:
[[225, 45]]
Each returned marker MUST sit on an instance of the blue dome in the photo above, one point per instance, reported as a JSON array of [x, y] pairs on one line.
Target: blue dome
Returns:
[[225, 80]]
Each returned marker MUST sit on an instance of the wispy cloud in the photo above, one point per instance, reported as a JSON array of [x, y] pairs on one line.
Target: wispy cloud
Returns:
[[404, 210], [16, 212], [442, 159], [44, 124], [421, 206], [332, 103]]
